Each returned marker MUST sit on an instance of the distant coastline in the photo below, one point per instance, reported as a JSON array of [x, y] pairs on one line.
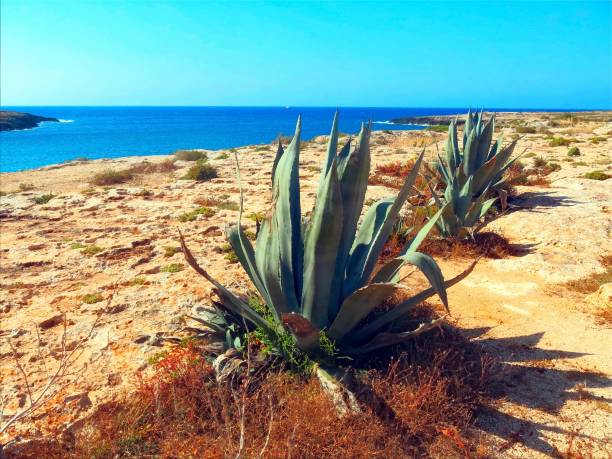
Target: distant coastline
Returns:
[[17, 121], [114, 132]]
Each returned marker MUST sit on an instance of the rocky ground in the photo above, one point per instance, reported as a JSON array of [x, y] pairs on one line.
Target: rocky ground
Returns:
[[108, 259]]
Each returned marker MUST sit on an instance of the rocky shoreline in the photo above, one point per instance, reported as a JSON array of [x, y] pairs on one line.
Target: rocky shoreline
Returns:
[[16, 121], [444, 120]]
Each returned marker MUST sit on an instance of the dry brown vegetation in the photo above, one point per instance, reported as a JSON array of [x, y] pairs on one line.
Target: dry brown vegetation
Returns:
[[485, 244], [418, 404], [115, 177], [592, 283]]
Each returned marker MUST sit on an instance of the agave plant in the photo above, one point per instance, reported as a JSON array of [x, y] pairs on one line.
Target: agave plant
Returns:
[[317, 276], [470, 174]]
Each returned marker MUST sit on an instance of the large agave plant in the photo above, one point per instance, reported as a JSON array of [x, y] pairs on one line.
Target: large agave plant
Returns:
[[470, 174], [317, 275]]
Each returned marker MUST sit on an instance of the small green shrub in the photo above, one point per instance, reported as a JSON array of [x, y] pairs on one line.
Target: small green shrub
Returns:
[[92, 250], [25, 187], [531, 154], [222, 156], [170, 250], [231, 257], [539, 162], [173, 268], [597, 139], [111, 177], [43, 198], [437, 128], [597, 175], [77, 245], [256, 216], [138, 280], [560, 142], [201, 171], [3, 193], [191, 216], [222, 202], [526, 130], [574, 151], [88, 191], [190, 155], [92, 298]]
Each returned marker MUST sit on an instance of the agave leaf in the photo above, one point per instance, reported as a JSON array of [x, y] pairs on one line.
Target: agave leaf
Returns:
[[332, 148], [279, 154], [286, 228], [493, 168], [467, 127], [445, 170], [485, 142], [353, 187], [343, 155], [346, 154], [390, 271], [321, 249], [427, 265], [243, 248], [267, 260], [470, 150], [496, 145], [357, 306], [368, 330], [478, 210], [373, 220], [424, 231], [229, 300], [452, 147], [368, 247], [507, 163], [387, 339]]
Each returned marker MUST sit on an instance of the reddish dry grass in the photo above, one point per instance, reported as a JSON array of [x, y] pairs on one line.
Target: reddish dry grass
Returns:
[[417, 405], [393, 175], [485, 244], [590, 284]]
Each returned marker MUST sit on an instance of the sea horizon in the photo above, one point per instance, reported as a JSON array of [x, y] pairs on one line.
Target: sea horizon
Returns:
[[111, 131]]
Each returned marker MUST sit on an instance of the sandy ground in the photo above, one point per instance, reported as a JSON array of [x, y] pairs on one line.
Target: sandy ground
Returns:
[[116, 243]]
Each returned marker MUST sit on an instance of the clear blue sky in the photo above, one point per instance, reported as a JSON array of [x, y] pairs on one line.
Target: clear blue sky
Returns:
[[551, 54]]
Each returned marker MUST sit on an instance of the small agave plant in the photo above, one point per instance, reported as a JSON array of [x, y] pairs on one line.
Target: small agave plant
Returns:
[[317, 275], [470, 174]]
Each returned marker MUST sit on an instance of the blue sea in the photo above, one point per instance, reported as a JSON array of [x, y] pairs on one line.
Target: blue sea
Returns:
[[109, 132]]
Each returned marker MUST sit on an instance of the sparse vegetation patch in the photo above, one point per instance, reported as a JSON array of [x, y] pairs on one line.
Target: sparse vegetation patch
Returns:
[[43, 198], [597, 175], [111, 177], [190, 155], [172, 268], [193, 215], [201, 171]]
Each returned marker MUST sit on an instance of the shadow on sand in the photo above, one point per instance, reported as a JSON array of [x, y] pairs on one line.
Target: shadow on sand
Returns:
[[525, 383], [532, 201]]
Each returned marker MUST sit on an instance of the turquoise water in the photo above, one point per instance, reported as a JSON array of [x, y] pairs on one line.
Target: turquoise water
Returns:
[[108, 132]]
